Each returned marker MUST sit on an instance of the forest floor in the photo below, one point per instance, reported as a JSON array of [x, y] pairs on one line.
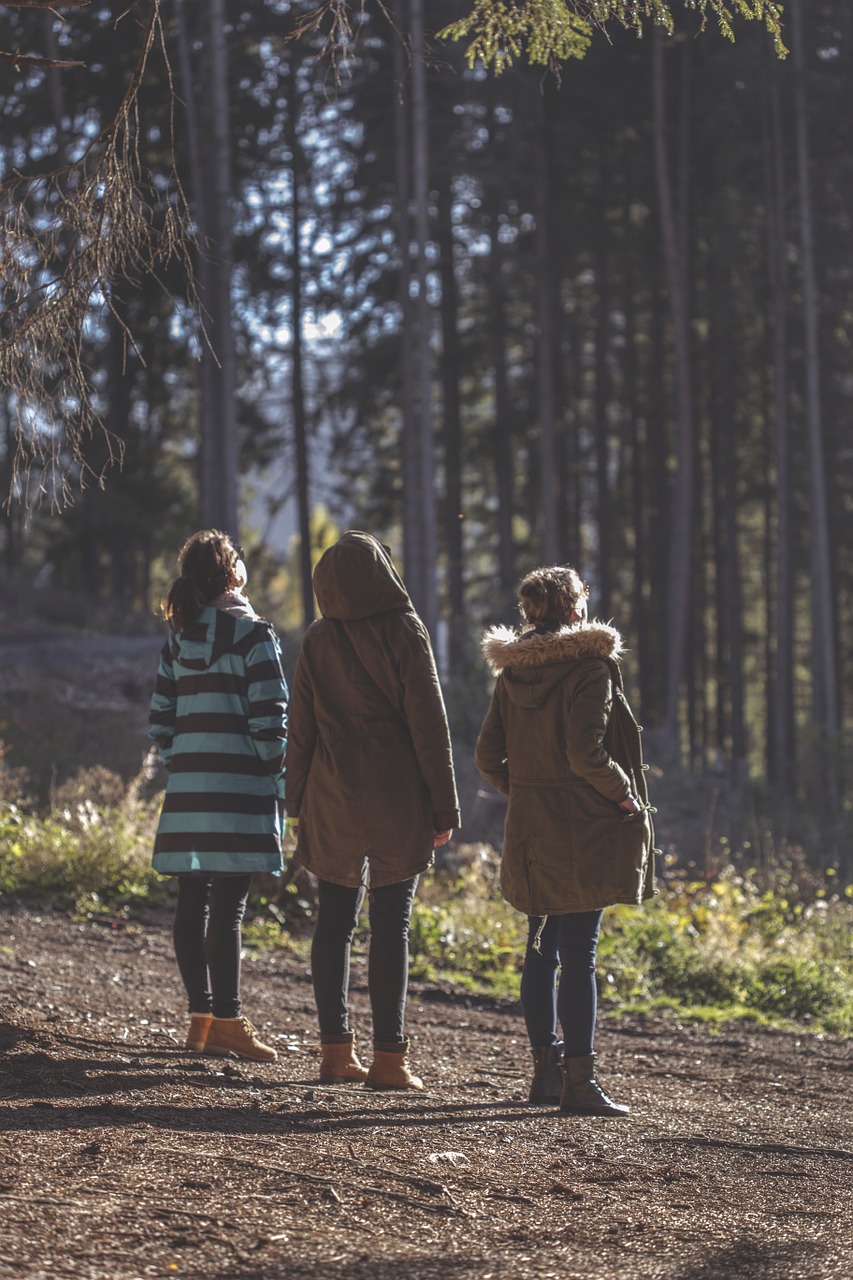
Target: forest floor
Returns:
[[123, 1156]]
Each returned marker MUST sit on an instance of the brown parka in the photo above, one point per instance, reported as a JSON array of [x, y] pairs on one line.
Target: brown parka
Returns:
[[560, 741], [369, 766]]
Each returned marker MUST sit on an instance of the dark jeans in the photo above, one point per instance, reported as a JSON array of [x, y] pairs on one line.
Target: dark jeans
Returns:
[[388, 961], [568, 942], [207, 940]]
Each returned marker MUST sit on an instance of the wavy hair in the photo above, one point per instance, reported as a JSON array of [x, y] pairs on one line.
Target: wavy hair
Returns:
[[207, 561], [547, 597]]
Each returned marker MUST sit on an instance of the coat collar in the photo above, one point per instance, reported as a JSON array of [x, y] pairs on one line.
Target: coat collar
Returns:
[[505, 648]]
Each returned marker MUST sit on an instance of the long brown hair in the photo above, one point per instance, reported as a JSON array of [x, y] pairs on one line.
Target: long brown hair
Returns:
[[207, 561], [547, 597]]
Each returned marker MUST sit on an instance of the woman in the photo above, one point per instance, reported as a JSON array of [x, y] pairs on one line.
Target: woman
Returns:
[[370, 780], [218, 717], [560, 741]]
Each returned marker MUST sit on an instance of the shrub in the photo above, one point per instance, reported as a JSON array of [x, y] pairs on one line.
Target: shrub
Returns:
[[82, 852]]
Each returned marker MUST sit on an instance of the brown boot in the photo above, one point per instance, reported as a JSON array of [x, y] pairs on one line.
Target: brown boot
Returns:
[[197, 1034], [547, 1084], [237, 1035], [339, 1061], [582, 1094], [390, 1068]]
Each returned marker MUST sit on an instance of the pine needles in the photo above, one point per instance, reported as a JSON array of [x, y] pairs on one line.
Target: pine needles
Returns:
[[67, 237]]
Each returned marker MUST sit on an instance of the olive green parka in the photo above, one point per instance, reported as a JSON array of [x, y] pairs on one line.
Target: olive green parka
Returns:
[[369, 766], [560, 741]]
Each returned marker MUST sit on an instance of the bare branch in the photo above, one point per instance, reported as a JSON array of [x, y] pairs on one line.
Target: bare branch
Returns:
[[19, 60], [67, 238]]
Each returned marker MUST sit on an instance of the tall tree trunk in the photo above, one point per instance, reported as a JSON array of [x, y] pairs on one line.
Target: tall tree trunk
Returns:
[[427, 549], [550, 544], [452, 432], [680, 534], [824, 649], [297, 388], [502, 431], [783, 750], [219, 503], [410, 520], [602, 391], [201, 264]]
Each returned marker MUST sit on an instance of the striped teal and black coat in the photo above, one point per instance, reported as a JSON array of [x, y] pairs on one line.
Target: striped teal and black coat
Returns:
[[219, 719]]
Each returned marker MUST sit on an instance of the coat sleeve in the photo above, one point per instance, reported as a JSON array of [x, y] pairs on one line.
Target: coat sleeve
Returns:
[[301, 737], [590, 697], [266, 691], [490, 752], [425, 714], [164, 702]]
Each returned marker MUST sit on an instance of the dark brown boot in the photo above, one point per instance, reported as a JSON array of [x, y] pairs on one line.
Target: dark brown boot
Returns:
[[547, 1084], [582, 1094]]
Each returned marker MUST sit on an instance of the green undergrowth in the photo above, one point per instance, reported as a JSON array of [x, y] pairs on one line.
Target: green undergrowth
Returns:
[[771, 946]]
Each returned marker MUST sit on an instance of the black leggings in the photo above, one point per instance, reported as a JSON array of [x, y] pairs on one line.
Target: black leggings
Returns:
[[207, 940], [388, 961], [569, 943]]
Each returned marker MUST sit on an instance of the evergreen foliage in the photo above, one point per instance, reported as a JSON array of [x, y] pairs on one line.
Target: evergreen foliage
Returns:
[[550, 32]]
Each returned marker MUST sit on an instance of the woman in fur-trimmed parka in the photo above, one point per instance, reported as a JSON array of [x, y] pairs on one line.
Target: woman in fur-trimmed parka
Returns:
[[559, 740]]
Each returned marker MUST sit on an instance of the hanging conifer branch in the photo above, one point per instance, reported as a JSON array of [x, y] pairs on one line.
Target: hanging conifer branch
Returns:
[[549, 32], [67, 237]]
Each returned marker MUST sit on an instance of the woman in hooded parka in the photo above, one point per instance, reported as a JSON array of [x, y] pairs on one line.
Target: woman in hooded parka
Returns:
[[559, 740], [370, 780], [218, 717]]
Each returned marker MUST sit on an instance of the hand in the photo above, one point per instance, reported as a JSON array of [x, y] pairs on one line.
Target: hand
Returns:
[[441, 837], [631, 805]]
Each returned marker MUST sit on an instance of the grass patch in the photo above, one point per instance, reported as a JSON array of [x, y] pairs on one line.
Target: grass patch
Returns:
[[773, 947]]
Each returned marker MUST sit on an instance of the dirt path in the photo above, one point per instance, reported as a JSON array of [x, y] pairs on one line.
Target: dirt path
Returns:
[[121, 1156]]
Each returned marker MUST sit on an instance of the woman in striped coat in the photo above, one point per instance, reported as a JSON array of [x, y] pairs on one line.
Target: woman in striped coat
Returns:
[[218, 717]]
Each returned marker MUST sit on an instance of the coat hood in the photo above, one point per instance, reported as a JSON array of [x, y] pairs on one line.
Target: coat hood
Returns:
[[356, 578], [533, 662], [215, 632]]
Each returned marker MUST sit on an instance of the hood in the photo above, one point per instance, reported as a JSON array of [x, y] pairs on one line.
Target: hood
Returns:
[[235, 603], [214, 633], [533, 662], [356, 578]]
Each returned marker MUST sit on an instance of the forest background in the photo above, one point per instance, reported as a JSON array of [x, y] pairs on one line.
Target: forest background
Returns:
[[598, 313]]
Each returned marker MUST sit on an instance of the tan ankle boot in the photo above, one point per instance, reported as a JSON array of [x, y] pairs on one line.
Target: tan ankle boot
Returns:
[[237, 1035], [339, 1061], [197, 1034], [390, 1068]]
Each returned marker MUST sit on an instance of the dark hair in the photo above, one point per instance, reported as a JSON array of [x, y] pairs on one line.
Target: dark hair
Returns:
[[547, 597], [207, 561]]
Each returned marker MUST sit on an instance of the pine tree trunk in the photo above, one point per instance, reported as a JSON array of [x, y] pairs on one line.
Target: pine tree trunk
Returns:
[[427, 548], [410, 519], [221, 502], [680, 532], [824, 649], [783, 747], [550, 542], [604, 521], [502, 431], [200, 203], [452, 433], [297, 388]]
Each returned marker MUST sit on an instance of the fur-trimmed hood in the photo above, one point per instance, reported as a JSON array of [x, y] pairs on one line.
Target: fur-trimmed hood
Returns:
[[505, 648], [533, 662]]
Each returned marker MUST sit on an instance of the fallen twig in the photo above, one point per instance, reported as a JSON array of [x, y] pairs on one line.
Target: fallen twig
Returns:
[[769, 1148]]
